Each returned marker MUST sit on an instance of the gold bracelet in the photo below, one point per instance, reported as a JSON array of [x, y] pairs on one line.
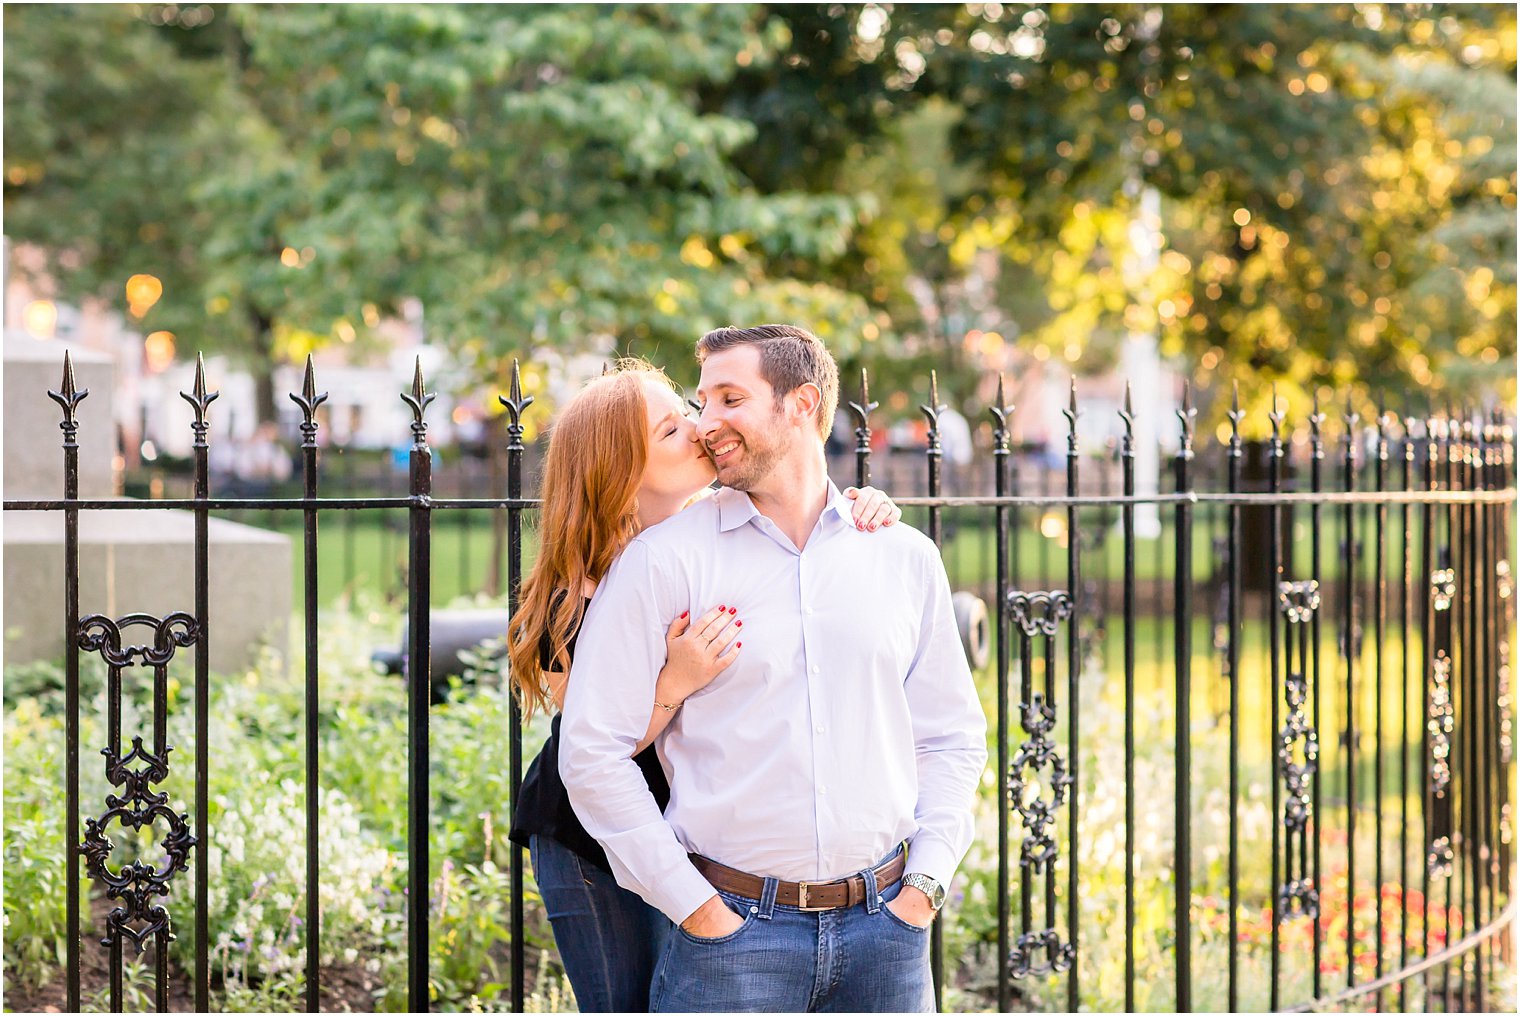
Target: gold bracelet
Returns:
[[667, 708]]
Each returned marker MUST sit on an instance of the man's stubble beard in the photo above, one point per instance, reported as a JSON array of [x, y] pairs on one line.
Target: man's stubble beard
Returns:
[[759, 464]]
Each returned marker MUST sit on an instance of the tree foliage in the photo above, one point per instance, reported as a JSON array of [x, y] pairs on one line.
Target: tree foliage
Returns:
[[958, 183]]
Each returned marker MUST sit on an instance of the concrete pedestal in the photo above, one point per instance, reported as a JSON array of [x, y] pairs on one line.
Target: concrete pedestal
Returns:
[[144, 561], [130, 561]]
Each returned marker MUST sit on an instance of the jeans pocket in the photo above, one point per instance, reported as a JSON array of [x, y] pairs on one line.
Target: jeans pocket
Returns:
[[904, 925], [749, 919]]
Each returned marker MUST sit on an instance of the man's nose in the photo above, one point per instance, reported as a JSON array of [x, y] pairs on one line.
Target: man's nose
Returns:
[[707, 422]]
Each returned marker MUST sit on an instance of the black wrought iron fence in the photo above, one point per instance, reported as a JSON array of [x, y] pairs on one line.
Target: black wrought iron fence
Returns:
[[1422, 531]]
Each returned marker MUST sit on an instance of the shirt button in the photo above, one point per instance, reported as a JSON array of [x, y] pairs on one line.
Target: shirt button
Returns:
[[815, 668], [822, 791], [807, 610], [818, 730]]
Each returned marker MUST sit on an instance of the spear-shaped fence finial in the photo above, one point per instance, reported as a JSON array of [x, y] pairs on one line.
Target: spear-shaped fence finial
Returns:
[[68, 398], [862, 410], [1127, 414], [1071, 413], [1235, 416], [1277, 416], [515, 402], [418, 399], [1316, 418], [865, 393], [1382, 426], [1351, 419], [1000, 414], [1186, 416], [932, 410], [200, 399], [308, 400]]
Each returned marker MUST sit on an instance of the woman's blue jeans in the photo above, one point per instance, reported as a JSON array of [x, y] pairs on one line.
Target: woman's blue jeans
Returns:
[[609, 939]]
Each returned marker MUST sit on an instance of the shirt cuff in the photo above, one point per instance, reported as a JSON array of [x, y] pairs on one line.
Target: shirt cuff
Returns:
[[928, 856], [682, 893]]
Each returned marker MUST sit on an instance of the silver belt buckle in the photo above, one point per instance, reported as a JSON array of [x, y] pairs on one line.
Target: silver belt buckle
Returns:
[[802, 900]]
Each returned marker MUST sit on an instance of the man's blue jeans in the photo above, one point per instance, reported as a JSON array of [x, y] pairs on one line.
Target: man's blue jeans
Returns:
[[609, 939], [859, 959]]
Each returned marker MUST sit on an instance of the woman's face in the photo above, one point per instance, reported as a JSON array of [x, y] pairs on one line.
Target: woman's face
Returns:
[[677, 466]]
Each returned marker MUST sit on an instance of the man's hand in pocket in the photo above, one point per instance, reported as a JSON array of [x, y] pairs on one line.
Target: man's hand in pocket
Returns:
[[712, 919]]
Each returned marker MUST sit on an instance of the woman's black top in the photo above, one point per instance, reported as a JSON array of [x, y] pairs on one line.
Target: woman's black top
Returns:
[[543, 806]]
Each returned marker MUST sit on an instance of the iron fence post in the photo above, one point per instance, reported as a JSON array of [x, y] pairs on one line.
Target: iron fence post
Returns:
[[1000, 413], [1232, 987], [418, 687], [1274, 682], [68, 398], [1183, 800], [1073, 712], [515, 403], [308, 401], [1127, 516], [932, 456], [200, 399]]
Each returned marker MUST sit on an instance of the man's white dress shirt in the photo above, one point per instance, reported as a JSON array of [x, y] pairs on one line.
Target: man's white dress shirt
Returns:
[[848, 723]]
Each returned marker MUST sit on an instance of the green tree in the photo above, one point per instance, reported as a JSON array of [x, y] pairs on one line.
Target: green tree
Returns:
[[542, 176], [535, 176], [103, 130], [1305, 161]]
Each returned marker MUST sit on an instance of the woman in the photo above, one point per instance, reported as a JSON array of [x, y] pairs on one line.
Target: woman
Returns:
[[622, 456]]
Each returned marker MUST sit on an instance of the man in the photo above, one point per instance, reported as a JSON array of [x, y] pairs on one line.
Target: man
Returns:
[[847, 725]]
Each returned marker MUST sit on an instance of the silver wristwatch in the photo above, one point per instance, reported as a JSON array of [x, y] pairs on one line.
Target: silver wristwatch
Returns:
[[928, 886]]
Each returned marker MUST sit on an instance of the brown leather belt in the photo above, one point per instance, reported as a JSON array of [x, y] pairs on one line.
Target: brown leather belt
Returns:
[[810, 896]]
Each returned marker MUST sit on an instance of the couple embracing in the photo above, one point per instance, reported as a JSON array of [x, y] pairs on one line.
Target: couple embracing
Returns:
[[761, 779]]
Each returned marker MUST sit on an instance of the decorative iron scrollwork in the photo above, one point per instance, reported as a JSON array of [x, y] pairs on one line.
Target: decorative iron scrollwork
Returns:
[[1441, 721], [1039, 782], [1040, 613], [100, 634], [1297, 753], [1059, 955], [1298, 600], [1443, 587], [1024, 783], [1506, 704], [136, 884]]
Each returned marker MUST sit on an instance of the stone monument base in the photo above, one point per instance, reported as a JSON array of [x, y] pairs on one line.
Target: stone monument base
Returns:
[[143, 561]]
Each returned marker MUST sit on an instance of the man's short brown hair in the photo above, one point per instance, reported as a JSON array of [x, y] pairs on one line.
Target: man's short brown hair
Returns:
[[790, 357]]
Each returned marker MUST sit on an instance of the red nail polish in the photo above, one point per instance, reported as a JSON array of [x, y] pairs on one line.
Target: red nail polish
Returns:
[[721, 608], [684, 613], [738, 624], [733, 610], [738, 645]]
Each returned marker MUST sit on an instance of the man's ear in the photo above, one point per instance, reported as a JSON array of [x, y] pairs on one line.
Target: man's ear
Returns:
[[805, 399]]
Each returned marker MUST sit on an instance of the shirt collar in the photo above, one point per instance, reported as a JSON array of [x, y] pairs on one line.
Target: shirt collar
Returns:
[[735, 508]]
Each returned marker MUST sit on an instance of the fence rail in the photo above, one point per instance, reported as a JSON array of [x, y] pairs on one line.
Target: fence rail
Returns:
[[1433, 806]]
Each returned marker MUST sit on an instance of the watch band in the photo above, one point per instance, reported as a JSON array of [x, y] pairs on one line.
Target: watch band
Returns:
[[928, 886]]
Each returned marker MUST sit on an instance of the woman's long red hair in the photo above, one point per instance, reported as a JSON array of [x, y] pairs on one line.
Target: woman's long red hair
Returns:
[[592, 471]]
